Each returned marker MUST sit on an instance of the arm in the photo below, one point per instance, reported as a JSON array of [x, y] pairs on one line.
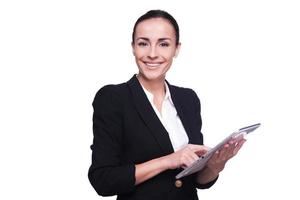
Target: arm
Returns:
[[149, 169], [107, 174], [181, 158]]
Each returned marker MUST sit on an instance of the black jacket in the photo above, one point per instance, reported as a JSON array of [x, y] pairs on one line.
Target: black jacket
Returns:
[[127, 131]]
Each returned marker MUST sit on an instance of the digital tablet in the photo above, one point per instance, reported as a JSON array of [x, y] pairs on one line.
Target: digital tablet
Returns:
[[201, 162]]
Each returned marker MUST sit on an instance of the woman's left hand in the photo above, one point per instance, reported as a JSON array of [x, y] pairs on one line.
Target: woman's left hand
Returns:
[[217, 162]]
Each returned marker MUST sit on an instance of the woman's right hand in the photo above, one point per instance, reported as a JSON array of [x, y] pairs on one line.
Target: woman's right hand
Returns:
[[181, 158], [185, 156]]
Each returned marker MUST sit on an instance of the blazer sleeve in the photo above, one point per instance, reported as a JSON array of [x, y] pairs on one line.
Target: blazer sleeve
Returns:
[[107, 174], [198, 122]]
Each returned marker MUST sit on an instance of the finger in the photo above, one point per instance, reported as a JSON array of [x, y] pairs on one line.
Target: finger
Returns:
[[236, 140], [227, 151], [238, 147], [214, 159], [233, 149], [188, 160], [183, 166], [223, 152], [187, 156], [192, 156], [196, 148], [230, 150], [215, 156]]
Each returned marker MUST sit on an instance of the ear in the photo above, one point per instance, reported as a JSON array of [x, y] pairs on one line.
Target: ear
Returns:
[[177, 50]]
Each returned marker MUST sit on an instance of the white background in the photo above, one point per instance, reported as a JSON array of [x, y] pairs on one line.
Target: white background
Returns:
[[241, 57]]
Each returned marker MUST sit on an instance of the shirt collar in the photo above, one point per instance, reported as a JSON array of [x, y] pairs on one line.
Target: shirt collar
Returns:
[[167, 95]]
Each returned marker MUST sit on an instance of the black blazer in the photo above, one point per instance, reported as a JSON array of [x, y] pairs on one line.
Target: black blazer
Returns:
[[127, 131]]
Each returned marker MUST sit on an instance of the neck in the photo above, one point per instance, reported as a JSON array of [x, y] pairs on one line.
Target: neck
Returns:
[[156, 87]]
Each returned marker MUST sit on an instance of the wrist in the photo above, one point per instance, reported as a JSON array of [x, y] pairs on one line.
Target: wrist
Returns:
[[212, 172], [206, 175], [165, 162]]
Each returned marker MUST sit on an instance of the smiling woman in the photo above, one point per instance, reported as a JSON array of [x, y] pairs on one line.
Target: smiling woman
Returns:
[[154, 47], [146, 129]]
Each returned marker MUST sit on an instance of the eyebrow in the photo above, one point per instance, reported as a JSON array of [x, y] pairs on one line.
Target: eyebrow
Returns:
[[147, 39]]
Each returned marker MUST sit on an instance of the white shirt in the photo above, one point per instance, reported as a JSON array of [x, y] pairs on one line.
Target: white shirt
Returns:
[[170, 119]]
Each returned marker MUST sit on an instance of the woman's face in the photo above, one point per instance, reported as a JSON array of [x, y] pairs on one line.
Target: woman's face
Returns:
[[154, 48]]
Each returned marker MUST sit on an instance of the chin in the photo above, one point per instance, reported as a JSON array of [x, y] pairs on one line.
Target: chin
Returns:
[[152, 76]]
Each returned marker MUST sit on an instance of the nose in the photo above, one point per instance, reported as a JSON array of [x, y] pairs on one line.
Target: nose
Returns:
[[153, 53]]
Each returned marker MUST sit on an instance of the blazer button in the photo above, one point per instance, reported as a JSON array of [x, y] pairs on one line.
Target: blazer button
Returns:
[[178, 183]]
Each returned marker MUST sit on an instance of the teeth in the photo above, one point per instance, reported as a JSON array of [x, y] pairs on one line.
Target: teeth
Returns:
[[153, 64]]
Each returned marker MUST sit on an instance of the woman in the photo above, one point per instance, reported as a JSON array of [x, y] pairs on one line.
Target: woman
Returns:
[[146, 130]]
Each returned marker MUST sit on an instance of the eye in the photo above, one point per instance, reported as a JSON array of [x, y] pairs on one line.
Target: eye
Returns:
[[142, 44], [164, 44]]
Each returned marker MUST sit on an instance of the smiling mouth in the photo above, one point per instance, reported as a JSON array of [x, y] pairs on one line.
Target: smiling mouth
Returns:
[[152, 64]]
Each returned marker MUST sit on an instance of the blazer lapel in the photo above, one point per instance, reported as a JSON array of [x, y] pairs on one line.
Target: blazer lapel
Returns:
[[179, 103], [149, 116]]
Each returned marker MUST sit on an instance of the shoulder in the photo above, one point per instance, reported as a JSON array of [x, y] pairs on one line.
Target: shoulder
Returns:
[[183, 92], [111, 89], [110, 94]]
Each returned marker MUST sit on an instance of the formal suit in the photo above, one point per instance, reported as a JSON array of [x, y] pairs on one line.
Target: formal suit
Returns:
[[127, 131]]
